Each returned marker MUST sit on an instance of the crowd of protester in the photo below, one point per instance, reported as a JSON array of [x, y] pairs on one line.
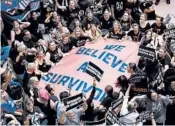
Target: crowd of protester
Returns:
[[43, 38]]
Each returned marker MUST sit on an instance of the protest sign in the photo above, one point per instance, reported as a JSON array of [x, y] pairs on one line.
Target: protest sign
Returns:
[[99, 122], [111, 118], [146, 52], [109, 55], [73, 101], [143, 116], [94, 71], [117, 102], [137, 78], [169, 33]]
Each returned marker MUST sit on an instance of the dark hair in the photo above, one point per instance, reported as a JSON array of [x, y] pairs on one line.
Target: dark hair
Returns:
[[122, 80], [150, 92], [115, 95], [63, 95], [161, 18], [132, 66], [109, 89], [48, 88]]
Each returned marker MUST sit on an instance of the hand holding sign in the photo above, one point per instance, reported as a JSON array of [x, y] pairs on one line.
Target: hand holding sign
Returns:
[[144, 116], [73, 101], [94, 71], [94, 81]]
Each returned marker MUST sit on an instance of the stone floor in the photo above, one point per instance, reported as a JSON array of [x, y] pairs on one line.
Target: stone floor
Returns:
[[163, 9]]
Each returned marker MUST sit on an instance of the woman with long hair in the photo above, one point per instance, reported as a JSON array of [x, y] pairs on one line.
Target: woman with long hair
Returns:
[[79, 38], [76, 23], [143, 23], [126, 21], [16, 32], [150, 39], [41, 62], [54, 53], [48, 15], [94, 33], [115, 32]]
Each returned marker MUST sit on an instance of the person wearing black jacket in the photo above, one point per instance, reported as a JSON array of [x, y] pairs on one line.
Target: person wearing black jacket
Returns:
[[89, 113]]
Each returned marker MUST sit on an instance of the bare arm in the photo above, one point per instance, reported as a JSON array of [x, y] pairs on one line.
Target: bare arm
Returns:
[[48, 18], [59, 6], [19, 56], [85, 106], [128, 90], [12, 35], [153, 120], [106, 36], [18, 113], [112, 11], [24, 24], [149, 10], [10, 116]]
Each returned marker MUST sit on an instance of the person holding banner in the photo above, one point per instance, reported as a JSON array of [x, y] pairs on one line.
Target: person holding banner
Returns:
[[94, 33], [79, 38], [54, 53]]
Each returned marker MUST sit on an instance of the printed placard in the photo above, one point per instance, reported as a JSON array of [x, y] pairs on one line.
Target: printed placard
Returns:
[[143, 116], [169, 33], [111, 118], [136, 78], [94, 71], [73, 101], [146, 52]]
